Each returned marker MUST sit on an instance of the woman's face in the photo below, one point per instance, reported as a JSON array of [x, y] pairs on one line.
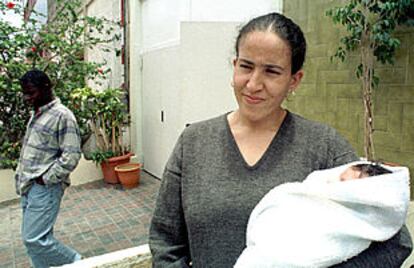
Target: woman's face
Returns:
[[262, 75]]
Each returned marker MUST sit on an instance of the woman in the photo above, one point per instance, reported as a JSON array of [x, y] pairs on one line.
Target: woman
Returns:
[[221, 168]]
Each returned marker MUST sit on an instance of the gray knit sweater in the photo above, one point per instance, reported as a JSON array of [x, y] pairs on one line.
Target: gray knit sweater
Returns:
[[208, 191]]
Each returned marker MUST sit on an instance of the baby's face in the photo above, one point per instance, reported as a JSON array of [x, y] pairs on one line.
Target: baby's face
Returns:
[[351, 174]]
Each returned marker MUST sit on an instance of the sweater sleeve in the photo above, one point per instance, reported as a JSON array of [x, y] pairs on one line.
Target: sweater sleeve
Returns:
[[389, 254], [168, 233]]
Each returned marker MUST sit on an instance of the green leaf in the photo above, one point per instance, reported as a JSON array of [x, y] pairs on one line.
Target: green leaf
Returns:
[[63, 42]]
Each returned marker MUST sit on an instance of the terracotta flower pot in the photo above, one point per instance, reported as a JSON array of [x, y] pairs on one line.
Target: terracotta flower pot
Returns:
[[129, 174], [108, 167]]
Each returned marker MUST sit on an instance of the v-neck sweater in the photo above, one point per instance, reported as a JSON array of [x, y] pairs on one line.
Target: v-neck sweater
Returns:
[[208, 190]]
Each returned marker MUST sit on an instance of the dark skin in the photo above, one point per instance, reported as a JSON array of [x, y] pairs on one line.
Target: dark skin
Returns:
[[37, 98]]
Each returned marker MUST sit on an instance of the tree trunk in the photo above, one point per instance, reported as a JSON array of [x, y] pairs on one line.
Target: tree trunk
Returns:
[[368, 125], [367, 59], [113, 138]]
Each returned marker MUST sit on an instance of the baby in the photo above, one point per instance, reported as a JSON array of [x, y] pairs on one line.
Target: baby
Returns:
[[328, 218], [359, 171]]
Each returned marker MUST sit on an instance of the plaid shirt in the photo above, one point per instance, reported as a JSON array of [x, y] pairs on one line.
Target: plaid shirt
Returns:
[[51, 147]]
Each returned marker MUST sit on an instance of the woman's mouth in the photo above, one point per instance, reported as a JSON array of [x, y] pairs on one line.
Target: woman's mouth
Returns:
[[252, 99]]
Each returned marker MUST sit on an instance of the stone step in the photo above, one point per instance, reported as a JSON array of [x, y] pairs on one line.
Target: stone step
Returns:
[[136, 257]]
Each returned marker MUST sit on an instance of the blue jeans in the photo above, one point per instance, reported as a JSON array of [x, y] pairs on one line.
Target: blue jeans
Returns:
[[40, 209]]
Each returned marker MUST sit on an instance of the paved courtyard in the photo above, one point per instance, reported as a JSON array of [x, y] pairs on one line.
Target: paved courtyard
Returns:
[[95, 218], [98, 218]]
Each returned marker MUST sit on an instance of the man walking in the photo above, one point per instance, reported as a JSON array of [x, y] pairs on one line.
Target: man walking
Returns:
[[50, 152]]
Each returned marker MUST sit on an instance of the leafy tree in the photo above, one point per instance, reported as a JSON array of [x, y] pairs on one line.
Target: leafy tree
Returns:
[[108, 120], [370, 25], [56, 48]]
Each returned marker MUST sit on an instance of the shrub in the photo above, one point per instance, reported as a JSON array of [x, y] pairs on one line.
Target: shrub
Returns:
[[56, 48]]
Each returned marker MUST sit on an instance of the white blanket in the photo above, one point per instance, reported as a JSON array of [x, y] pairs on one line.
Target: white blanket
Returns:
[[322, 221]]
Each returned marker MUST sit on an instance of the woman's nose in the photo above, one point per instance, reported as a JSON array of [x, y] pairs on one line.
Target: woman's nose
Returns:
[[255, 81]]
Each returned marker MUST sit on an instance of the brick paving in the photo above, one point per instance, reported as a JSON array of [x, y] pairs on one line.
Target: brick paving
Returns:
[[95, 218]]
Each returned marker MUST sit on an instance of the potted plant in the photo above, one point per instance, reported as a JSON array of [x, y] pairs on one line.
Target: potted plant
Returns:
[[370, 25], [33, 44], [108, 121], [129, 174]]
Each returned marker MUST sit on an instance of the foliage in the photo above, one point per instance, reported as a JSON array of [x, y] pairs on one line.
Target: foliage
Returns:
[[100, 156], [109, 119], [370, 25], [56, 48]]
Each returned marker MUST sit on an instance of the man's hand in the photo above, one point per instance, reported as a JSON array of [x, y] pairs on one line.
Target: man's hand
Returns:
[[39, 180]]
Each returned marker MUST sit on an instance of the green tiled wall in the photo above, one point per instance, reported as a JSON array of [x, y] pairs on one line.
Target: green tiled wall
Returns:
[[331, 93]]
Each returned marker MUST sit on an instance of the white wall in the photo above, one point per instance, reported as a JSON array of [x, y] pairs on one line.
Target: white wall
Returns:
[[7, 187], [160, 23], [206, 55], [109, 9], [188, 82], [41, 7], [162, 89], [161, 18], [86, 171], [134, 46], [229, 10], [186, 48]]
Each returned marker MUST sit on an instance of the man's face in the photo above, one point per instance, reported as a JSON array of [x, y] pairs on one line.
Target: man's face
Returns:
[[32, 95]]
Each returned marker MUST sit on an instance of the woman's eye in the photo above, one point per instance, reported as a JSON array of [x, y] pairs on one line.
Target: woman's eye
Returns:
[[245, 66]]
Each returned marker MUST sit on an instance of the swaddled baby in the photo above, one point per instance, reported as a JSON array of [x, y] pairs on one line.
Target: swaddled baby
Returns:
[[360, 171], [330, 217]]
